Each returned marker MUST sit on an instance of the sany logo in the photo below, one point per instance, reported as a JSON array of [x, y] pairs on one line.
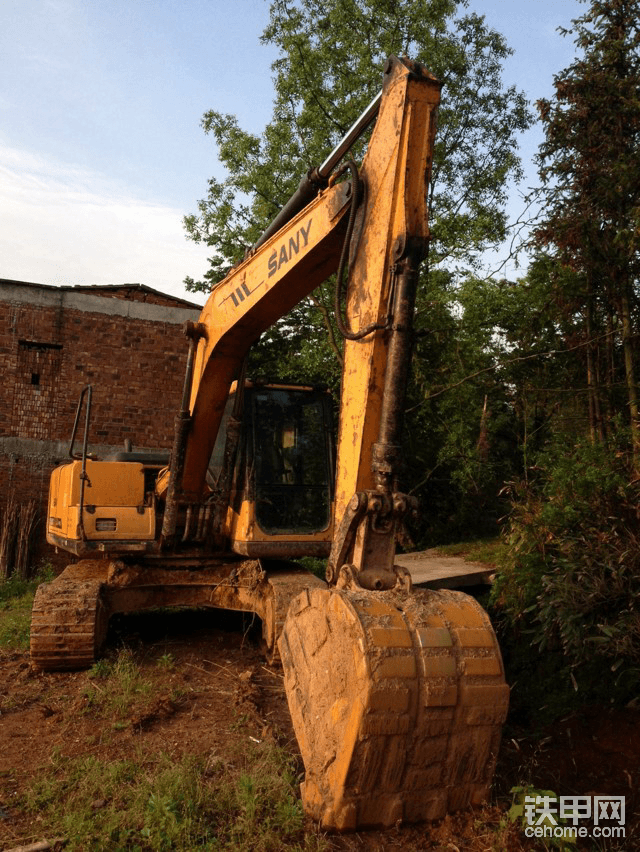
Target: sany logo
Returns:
[[286, 251]]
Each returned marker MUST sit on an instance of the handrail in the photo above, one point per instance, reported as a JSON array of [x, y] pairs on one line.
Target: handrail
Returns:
[[87, 389], [88, 392]]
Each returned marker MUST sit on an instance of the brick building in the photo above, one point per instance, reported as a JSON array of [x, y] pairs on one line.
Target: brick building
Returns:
[[126, 341]]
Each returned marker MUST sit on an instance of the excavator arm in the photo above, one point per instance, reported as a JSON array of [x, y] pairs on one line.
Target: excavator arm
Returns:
[[382, 213], [252, 298]]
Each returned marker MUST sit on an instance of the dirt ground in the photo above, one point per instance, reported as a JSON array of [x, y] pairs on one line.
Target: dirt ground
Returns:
[[229, 696]]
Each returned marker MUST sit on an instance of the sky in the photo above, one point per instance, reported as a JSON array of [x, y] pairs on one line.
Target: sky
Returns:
[[101, 149]]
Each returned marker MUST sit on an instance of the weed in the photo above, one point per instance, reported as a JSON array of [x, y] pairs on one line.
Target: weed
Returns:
[[177, 694], [517, 814], [123, 689], [100, 669], [172, 804], [166, 662], [16, 600]]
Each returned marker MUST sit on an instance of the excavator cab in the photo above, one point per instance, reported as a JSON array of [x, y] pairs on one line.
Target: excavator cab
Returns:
[[280, 495], [282, 486]]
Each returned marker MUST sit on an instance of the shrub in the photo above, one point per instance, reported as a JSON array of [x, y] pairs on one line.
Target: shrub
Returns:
[[572, 583]]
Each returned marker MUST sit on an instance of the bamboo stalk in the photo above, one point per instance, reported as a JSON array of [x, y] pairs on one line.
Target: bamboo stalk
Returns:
[[7, 538], [18, 528]]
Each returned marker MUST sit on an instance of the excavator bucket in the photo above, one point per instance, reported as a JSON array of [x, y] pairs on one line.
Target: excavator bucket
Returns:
[[397, 701]]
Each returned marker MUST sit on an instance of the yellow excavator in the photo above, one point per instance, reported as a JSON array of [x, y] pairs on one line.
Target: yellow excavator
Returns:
[[397, 696]]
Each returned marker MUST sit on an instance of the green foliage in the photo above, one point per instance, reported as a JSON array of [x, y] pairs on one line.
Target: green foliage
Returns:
[[123, 686], [16, 600], [171, 803], [329, 68], [590, 196], [166, 662], [589, 158], [466, 428], [301, 349], [16, 587], [100, 669], [572, 585], [316, 566]]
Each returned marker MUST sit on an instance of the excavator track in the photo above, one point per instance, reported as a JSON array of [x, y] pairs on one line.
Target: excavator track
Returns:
[[70, 616], [68, 624], [283, 587], [397, 701]]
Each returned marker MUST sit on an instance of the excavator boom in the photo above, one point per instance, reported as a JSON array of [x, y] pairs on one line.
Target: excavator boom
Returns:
[[387, 238]]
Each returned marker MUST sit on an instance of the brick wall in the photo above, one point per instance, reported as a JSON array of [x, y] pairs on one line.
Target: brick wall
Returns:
[[133, 293], [126, 342]]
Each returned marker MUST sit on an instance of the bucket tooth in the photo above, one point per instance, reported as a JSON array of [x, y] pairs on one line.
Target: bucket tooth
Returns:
[[397, 701]]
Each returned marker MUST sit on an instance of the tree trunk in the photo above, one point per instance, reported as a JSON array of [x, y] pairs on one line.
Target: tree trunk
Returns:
[[593, 384], [632, 393]]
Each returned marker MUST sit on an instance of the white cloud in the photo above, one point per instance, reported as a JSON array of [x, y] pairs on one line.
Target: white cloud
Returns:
[[62, 224]]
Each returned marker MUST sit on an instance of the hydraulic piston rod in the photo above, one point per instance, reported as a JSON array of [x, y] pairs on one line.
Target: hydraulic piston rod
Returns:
[[316, 179]]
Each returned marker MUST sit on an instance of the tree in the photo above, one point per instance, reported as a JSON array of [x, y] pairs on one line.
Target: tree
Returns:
[[329, 69], [590, 171], [571, 584]]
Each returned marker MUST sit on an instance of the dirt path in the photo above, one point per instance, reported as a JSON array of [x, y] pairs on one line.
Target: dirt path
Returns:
[[430, 569]]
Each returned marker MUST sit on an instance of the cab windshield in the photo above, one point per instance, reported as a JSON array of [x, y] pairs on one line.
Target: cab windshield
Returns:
[[292, 469]]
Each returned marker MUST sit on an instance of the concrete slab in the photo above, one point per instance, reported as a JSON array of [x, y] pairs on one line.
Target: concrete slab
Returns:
[[431, 570]]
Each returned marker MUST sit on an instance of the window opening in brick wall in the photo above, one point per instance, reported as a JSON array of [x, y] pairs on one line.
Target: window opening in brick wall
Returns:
[[38, 344], [35, 395]]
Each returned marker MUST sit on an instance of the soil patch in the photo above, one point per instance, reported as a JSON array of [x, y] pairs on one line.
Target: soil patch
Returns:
[[203, 688]]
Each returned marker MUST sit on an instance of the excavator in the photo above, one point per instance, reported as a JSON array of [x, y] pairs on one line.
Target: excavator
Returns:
[[397, 695]]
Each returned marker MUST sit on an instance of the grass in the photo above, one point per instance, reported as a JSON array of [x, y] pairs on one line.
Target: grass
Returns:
[[16, 600], [117, 687], [166, 803], [156, 801], [490, 551]]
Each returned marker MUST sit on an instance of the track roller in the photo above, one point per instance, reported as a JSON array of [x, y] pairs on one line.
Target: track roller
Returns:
[[397, 702]]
